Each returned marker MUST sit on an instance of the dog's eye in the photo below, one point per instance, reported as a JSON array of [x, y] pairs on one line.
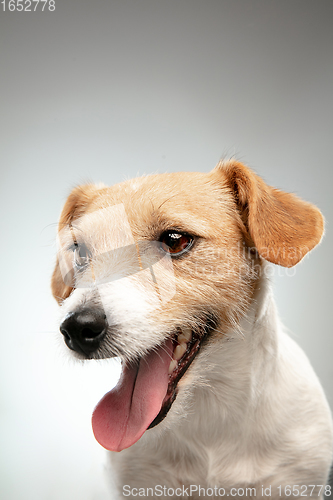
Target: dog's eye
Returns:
[[176, 243], [81, 256]]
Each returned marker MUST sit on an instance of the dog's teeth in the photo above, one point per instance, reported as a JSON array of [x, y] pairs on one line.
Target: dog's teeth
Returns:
[[185, 336], [172, 366], [179, 351]]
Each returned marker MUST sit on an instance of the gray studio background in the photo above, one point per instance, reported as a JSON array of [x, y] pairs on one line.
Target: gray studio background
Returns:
[[105, 90]]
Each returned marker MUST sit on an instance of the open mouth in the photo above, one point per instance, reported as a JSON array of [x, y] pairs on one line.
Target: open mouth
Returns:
[[186, 344], [146, 389]]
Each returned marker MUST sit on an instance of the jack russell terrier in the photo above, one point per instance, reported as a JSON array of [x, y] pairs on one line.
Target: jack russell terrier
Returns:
[[170, 272]]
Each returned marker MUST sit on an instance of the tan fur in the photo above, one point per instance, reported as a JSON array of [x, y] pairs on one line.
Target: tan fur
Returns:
[[76, 205], [282, 227], [238, 223]]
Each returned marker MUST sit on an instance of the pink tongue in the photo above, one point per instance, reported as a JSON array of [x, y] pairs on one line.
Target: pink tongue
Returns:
[[125, 413]]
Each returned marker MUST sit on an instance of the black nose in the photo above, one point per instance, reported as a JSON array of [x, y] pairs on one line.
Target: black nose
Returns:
[[84, 330]]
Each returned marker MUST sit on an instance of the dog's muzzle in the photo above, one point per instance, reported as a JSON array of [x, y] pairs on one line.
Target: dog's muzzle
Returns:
[[84, 330]]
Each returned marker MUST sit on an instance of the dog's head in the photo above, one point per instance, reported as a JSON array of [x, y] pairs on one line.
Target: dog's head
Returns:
[[151, 269]]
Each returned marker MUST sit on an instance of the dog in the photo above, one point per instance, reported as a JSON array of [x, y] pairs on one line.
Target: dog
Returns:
[[171, 272]]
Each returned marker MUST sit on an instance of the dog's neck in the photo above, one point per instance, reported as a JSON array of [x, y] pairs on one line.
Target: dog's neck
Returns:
[[229, 386], [236, 368]]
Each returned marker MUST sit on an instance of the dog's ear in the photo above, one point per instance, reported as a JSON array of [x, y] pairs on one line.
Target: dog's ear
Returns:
[[282, 227], [60, 290], [75, 206]]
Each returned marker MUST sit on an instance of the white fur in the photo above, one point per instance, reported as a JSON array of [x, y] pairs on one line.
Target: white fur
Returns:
[[250, 413]]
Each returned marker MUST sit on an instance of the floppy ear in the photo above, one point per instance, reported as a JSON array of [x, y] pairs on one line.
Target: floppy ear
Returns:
[[75, 206], [282, 227], [60, 290]]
